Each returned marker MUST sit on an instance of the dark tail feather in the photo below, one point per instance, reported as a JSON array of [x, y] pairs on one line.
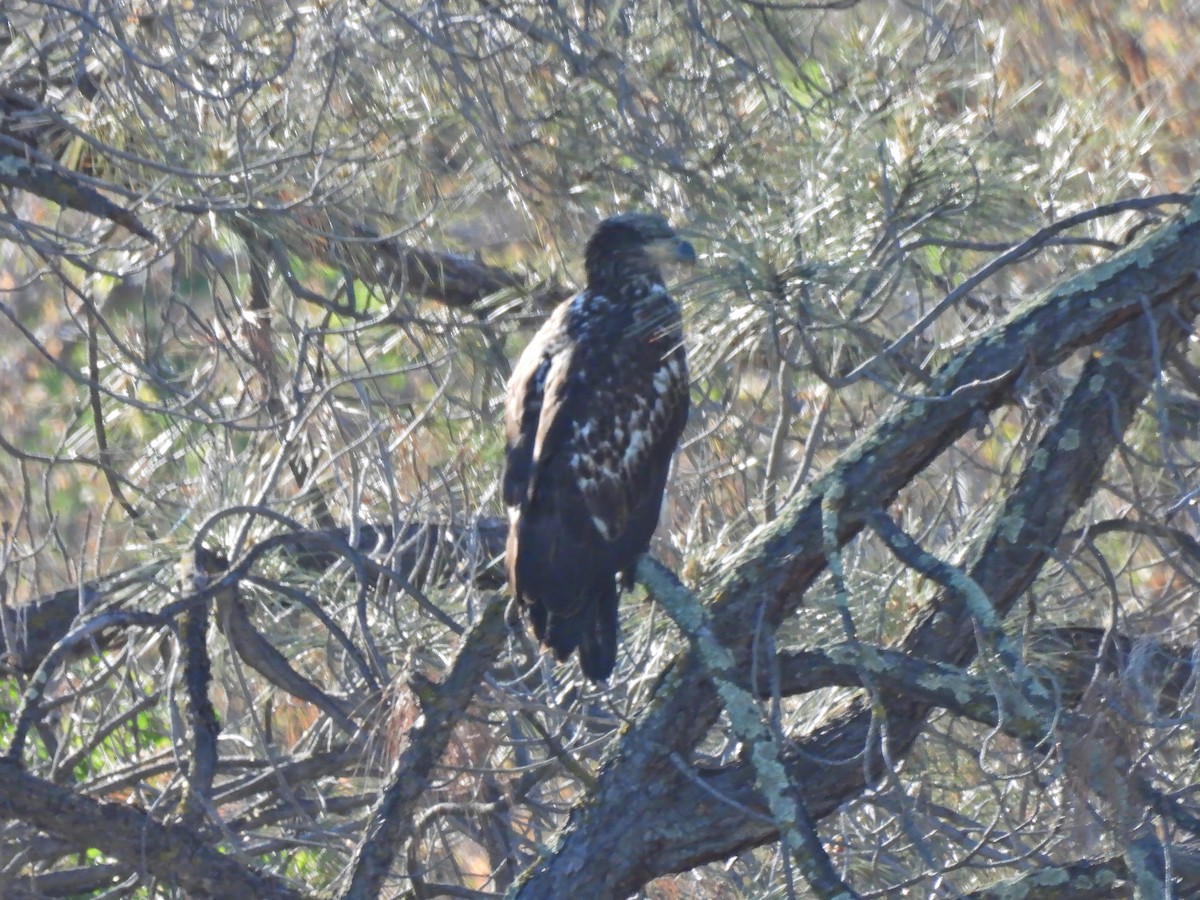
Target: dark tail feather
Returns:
[[569, 593], [562, 634], [592, 628], [598, 646], [528, 590]]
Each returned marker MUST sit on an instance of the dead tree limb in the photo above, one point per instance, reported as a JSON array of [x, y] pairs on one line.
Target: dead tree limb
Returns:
[[173, 853]]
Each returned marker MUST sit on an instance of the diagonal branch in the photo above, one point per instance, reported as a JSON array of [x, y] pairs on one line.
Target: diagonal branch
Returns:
[[1071, 655], [333, 237], [1087, 879], [759, 742], [1059, 476], [68, 191], [174, 854], [393, 819]]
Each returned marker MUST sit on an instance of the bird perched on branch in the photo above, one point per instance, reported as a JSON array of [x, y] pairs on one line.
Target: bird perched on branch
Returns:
[[594, 410]]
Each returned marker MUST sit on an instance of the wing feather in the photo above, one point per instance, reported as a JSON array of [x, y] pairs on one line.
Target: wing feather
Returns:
[[554, 422], [616, 418], [523, 407], [624, 448]]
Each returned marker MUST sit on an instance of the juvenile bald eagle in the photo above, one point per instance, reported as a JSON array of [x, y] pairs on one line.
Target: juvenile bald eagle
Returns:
[[594, 411]]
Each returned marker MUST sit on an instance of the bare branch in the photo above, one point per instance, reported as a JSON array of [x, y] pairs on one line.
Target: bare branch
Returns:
[[172, 853], [442, 705]]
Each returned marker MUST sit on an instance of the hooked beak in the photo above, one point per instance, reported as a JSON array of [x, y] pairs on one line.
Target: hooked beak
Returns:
[[672, 250]]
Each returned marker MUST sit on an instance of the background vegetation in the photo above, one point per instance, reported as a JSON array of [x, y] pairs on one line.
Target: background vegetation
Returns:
[[263, 267]]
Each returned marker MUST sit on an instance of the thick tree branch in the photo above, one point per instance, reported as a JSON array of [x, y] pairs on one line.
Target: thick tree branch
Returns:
[[760, 743], [333, 237], [425, 552], [1090, 878], [172, 853], [68, 191], [1051, 488], [204, 727], [1068, 655]]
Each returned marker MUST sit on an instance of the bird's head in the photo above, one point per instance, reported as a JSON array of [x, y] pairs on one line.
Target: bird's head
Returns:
[[634, 241]]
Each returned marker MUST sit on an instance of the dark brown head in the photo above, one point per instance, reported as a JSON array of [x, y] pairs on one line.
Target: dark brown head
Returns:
[[634, 243]]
